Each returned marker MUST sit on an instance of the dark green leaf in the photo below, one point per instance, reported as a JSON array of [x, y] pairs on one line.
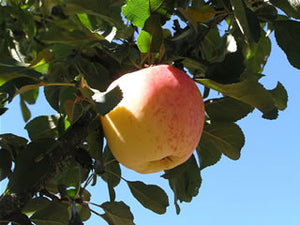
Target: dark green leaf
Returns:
[[5, 163], [117, 213], [84, 212], [13, 143], [150, 38], [246, 19], [96, 74], [55, 213], [184, 180], [20, 219], [280, 96], [287, 33], [43, 127], [83, 157], [227, 138], [207, 152], [229, 70], [112, 170], [95, 138], [226, 109], [35, 204], [150, 196], [249, 91], [106, 101], [290, 7], [30, 166], [266, 13], [25, 111]]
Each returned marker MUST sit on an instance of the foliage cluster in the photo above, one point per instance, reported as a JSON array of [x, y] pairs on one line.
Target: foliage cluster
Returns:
[[71, 47]]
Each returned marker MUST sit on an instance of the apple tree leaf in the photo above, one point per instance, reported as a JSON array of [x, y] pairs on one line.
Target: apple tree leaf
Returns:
[[55, 213], [226, 109], [5, 163], [246, 19], [106, 101], [280, 96], [150, 196], [138, 11], [43, 127], [249, 91], [184, 180], [150, 38], [223, 137], [256, 54], [117, 213], [290, 7], [287, 33]]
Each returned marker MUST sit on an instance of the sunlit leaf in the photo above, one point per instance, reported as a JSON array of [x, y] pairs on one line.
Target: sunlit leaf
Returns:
[[280, 96], [249, 91]]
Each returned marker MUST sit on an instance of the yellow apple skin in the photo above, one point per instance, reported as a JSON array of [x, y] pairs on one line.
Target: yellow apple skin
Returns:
[[158, 123]]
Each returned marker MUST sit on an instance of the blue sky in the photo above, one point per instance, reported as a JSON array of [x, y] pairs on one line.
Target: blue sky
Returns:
[[262, 187]]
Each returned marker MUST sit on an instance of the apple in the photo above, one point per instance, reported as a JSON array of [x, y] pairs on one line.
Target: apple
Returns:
[[158, 123]]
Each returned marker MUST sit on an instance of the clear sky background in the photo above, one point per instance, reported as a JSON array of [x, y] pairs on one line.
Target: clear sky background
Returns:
[[262, 187]]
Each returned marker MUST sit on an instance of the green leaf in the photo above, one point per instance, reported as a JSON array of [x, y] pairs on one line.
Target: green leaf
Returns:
[[5, 163], [208, 154], [25, 111], [13, 143], [290, 7], [226, 109], [256, 54], [266, 12], [112, 170], [287, 33], [246, 19], [43, 127], [31, 165], [106, 101], [138, 11], [11, 69], [96, 74], [229, 70], [30, 96], [280, 96], [117, 213], [20, 219], [35, 204], [55, 213], [150, 196], [184, 180], [225, 137], [249, 91], [150, 38], [95, 138]]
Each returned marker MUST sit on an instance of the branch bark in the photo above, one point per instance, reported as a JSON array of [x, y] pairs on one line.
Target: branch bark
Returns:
[[11, 204]]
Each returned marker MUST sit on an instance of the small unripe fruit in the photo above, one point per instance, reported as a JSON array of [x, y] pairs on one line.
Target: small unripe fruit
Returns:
[[158, 123]]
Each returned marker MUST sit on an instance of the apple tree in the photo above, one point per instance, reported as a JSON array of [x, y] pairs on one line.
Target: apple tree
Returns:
[[65, 49]]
